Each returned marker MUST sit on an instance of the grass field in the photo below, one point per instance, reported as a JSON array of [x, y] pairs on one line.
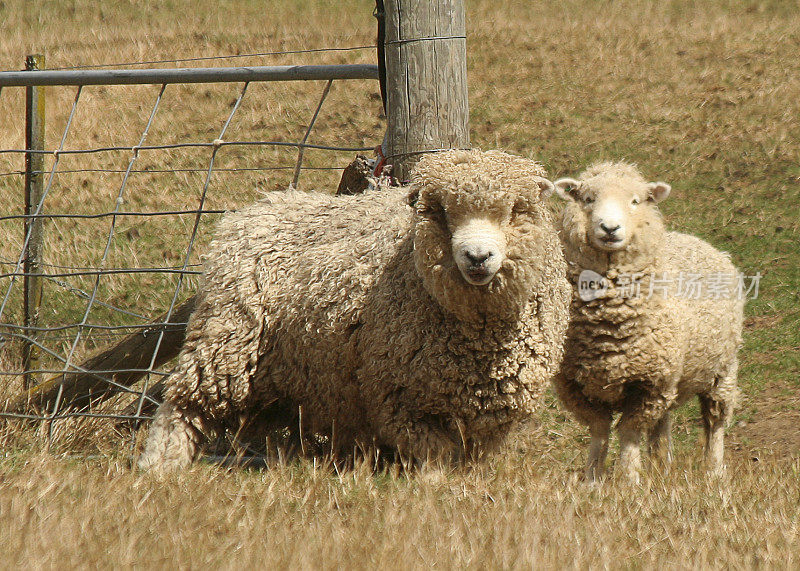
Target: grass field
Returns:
[[704, 95]]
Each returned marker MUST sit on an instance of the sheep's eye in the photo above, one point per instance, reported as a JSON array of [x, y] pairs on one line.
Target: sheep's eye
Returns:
[[588, 199], [635, 200], [435, 212]]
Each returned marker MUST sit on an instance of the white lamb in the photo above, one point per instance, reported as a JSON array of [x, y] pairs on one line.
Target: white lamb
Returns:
[[656, 318]]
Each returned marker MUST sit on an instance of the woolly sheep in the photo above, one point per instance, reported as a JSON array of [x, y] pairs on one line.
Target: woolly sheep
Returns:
[[636, 343], [427, 319]]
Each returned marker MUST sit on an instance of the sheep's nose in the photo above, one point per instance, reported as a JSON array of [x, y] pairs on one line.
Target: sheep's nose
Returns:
[[477, 257], [609, 230]]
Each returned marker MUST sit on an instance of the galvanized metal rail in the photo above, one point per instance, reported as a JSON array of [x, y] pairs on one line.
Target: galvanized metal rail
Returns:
[[187, 75]]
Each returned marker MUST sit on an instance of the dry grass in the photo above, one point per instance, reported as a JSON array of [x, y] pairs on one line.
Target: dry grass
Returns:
[[522, 510], [704, 95]]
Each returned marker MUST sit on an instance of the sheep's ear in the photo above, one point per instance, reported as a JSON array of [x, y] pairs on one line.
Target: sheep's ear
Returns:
[[566, 188], [413, 196], [546, 187], [658, 191]]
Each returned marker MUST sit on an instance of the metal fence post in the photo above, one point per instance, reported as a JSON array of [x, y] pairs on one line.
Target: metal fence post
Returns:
[[34, 188]]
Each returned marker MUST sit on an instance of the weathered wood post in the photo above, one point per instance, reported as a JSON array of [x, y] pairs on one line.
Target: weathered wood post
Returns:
[[34, 227], [426, 80]]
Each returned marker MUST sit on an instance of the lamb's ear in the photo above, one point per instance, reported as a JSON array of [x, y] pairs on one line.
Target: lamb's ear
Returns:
[[566, 188], [546, 187], [658, 191]]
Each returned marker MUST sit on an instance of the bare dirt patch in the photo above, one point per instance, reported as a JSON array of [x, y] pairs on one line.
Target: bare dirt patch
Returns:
[[774, 428], [758, 322]]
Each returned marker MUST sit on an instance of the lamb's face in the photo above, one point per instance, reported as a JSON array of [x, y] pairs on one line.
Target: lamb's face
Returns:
[[610, 211], [472, 244]]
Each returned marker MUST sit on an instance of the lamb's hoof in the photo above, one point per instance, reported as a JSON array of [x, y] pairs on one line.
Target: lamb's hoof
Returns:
[[717, 473], [592, 478], [629, 477], [592, 485]]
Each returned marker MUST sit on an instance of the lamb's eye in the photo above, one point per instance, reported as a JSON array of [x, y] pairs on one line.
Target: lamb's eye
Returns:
[[520, 208], [635, 201], [588, 199]]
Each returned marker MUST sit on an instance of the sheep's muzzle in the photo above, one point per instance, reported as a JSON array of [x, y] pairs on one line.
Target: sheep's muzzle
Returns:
[[479, 248]]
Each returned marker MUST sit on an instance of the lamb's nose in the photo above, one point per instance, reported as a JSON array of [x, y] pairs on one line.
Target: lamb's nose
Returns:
[[609, 230], [477, 258]]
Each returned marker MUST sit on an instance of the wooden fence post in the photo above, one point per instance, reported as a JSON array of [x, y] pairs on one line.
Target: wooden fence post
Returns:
[[426, 77], [34, 188]]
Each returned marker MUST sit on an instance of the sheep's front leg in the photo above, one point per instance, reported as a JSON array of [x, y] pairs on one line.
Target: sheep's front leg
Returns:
[[630, 456], [428, 444], [716, 407], [598, 449], [173, 440], [419, 437], [660, 440]]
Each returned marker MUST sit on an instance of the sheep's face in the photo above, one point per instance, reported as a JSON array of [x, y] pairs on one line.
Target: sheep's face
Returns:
[[473, 243], [610, 211], [479, 248]]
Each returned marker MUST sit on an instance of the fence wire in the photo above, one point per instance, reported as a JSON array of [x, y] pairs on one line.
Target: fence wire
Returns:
[[217, 58], [90, 305]]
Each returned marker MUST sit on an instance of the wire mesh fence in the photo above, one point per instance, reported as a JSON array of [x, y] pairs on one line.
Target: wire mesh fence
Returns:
[[97, 272]]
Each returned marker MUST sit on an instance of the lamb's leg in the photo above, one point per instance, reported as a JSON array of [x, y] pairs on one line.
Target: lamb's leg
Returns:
[[715, 414], [418, 438], [173, 439], [660, 440], [598, 449], [630, 456], [717, 407], [426, 444], [645, 406], [592, 413]]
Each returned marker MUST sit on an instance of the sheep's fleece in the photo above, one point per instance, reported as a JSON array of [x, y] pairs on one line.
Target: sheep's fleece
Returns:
[[351, 312], [642, 353]]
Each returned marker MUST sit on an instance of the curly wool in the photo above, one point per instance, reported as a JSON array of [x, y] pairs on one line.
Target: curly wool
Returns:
[[641, 355], [352, 310]]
